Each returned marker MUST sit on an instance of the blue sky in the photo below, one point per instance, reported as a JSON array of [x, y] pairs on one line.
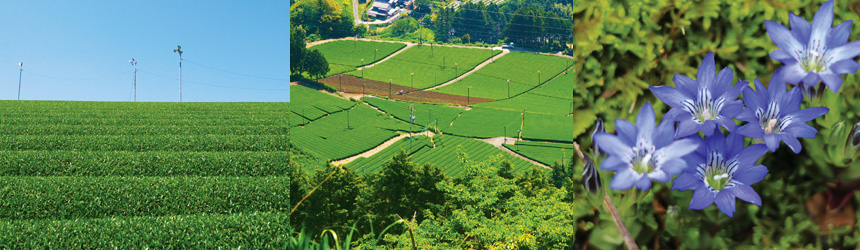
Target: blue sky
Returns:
[[79, 50]]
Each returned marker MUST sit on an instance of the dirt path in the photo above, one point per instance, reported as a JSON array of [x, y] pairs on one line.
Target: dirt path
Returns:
[[498, 141], [381, 147], [488, 61], [408, 45]]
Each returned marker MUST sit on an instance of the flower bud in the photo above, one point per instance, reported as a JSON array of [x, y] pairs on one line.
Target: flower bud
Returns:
[[598, 128], [590, 177]]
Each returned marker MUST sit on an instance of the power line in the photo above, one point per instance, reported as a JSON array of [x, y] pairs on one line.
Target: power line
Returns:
[[67, 79], [207, 84], [240, 74]]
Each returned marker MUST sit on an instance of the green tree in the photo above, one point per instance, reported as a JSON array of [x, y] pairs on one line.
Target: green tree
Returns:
[[403, 26], [334, 202], [315, 64], [467, 38], [297, 48], [328, 18]]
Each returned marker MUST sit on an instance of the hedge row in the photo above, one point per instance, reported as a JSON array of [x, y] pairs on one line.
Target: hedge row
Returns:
[[154, 163], [146, 143], [204, 231], [98, 197]]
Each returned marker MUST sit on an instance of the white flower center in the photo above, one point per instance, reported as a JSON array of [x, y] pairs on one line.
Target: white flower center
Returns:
[[716, 172], [704, 108], [814, 58], [643, 157], [770, 119]]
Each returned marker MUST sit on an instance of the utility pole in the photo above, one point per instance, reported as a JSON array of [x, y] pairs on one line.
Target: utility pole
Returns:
[[179, 50], [509, 88], [362, 68], [412, 78], [20, 71], [389, 89], [469, 96], [134, 64]]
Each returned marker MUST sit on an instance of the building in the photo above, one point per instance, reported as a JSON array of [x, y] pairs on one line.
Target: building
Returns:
[[383, 9]]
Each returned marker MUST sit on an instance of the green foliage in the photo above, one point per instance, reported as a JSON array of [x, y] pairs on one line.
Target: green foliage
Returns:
[[377, 161], [240, 230], [432, 66], [315, 64], [145, 142], [547, 153], [491, 122], [311, 104], [445, 155], [330, 138], [520, 68], [440, 116], [345, 55], [328, 18]]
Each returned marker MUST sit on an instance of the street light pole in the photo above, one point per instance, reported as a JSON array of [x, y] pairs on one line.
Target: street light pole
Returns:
[[362, 69], [389, 89], [469, 96], [509, 88], [179, 50], [134, 64], [20, 71]]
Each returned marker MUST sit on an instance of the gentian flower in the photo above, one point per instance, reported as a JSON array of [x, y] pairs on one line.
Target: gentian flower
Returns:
[[643, 152], [704, 103], [814, 52], [775, 115], [723, 169]]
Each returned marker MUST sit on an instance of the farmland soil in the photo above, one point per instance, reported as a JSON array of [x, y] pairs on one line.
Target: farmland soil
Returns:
[[356, 85]]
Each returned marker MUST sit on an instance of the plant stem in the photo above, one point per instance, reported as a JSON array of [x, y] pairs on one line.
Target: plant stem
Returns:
[[610, 206]]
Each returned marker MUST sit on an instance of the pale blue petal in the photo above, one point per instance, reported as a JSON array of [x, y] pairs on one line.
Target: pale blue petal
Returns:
[[643, 184], [735, 91], [686, 85], [646, 120], [627, 132], [782, 37], [624, 179], [673, 166], [725, 202], [724, 81], [752, 99], [811, 79], [845, 52], [799, 27], [805, 115], [707, 71], [844, 67], [750, 154], [793, 73], [751, 130], [801, 130], [664, 134], [687, 127], [776, 88], [772, 141], [669, 95], [746, 193], [782, 56], [686, 181], [660, 176], [750, 175], [613, 163], [790, 102], [838, 35], [733, 145], [702, 198], [833, 81], [613, 146], [732, 110], [708, 128], [677, 149], [792, 143], [821, 22], [727, 123]]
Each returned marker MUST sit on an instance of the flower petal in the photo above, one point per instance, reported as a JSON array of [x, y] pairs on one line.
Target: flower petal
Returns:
[[845, 52], [781, 36], [663, 136], [677, 149], [772, 141], [686, 181], [808, 114], [732, 109], [821, 22], [708, 128], [782, 56], [753, 100], [838, 35], [801, 130], [844, 67], [751, 130], [793, 73], [790, 102], [799, 27], [746, 193], [750, 154], [613, 146], [707, 71], [724, 81], [613, 163], [627, 132], [660, 176], [686, 127], [727, 123], [673, 167], [725, 201], [646, 120], [792, 143], [833, 81], [669, 95], [811, 78], [750, 175], [643, 184], [686, 84], [702, 198], [624, 179]]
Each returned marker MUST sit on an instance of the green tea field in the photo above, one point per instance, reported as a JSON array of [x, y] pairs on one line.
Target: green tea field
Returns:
[[87, 175]]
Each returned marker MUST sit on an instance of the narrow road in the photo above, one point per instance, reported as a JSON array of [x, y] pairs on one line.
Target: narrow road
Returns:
[[488, 61], [498, 141], [379, 148], [408, 45]]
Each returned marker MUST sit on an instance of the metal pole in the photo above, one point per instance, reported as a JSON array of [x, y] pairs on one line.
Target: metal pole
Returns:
[[412, 78], [179, 50], [389, 89], [134, 64], [538, 77], [20, 71], [468, 96], [509, 88], [362, 89]]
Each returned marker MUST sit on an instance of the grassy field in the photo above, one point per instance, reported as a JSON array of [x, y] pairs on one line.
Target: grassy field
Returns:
[[311, 104], [546, 153], [133, 175], [520, 68], [424, 113], [330, 138], [431, 66], [345, 55], [444, 155]]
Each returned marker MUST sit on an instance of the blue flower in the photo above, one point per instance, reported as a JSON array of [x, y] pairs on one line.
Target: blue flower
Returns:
[[723, 169], [704, 103], [643, 152], [814, 52], [775, 115]]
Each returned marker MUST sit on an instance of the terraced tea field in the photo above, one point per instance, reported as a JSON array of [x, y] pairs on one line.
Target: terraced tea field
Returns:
[[143, 175], [345, 55], [431, 66]]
